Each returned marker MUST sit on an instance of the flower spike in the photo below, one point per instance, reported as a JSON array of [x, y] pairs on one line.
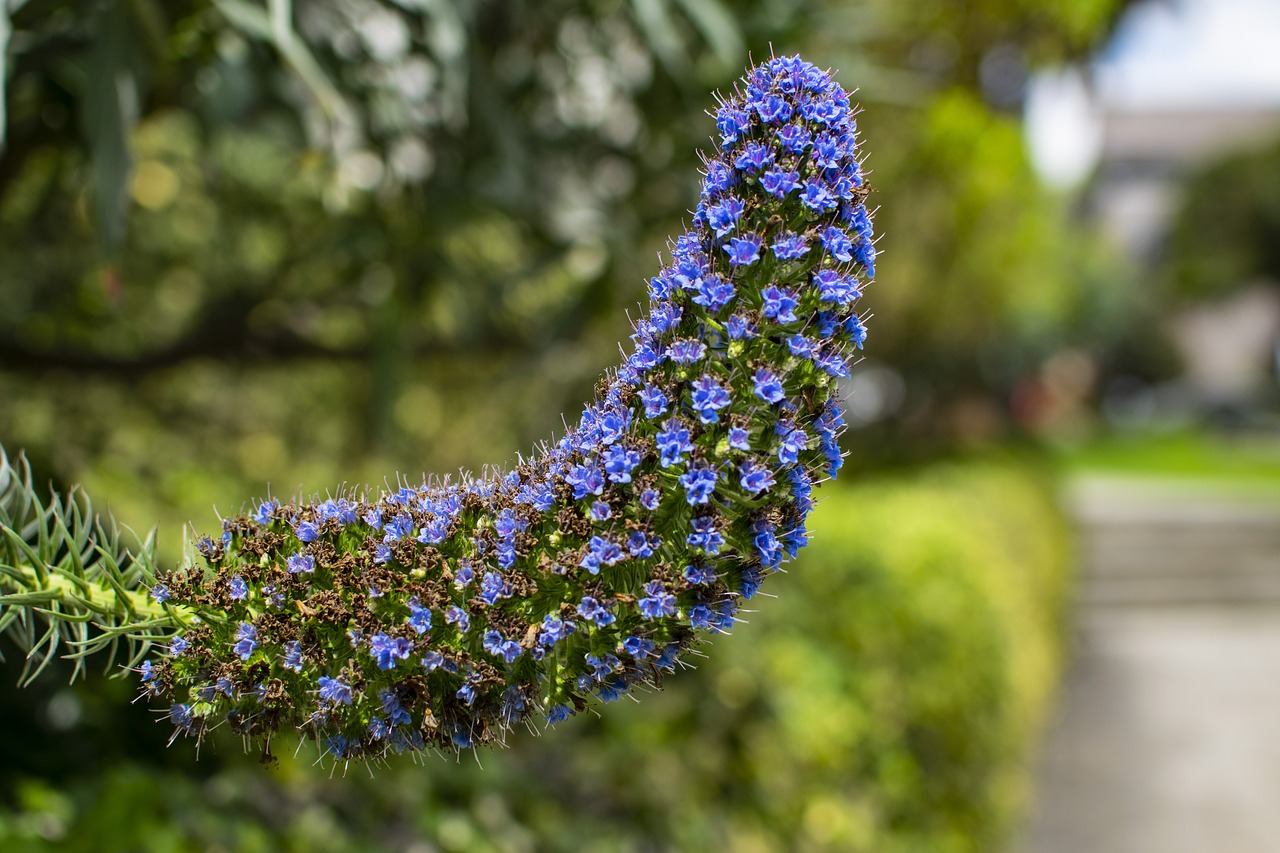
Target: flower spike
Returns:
[[438, 617]]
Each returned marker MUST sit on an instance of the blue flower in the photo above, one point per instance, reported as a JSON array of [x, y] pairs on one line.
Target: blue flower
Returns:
[[731, 122], [273, 595], [600, 510], [698, 483], [238, 589], [553, 630], [739, 328], [702, 618], [661, 287], [386, 651], [308, 532], [585, 480], [738, 439], [494, 587], [382, 553], [419, 617], [714, 292], [657, 603], [161, 593], [641, 545], [434, 531], [779, 304], [790, 246], [719, 178], [206, 548], [800, 346], [708, 397], [180, 715], [827, 152], [794, 138], [816, 196], [768, 548], [705, 535], [836, 288], [686, 351], [655, 402], [837, 243], [334, 691], [266, 512], [638, 647], [793, 441], [507, 524], [723, 217], [700, 575], [457, 616], [510, 650], [401, 527], [651, 498], [665, 316], [773, 109], [432, 660], [795, 539], [558, 714], [602, 665], [601, 551], [833, 364], [778, 182], [614, 425], [866, 254], [857, 330], [768, 387], [594, 611], [724, 617], [300, 563], [246, 640], [755, 478], [744, 251], [673, 442], [292, 656], [754, 157], [396, 714]]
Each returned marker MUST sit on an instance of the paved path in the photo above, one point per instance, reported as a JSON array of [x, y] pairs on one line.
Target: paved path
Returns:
[[1168, 731]]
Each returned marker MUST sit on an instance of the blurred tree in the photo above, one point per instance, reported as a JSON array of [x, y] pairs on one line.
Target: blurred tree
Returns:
[[318, 221], [1226, 233]]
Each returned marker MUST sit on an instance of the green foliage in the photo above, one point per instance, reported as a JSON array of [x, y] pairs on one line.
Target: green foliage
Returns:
[[985, 274], [271, 322], [1226, 233], [69, 586], [885, 701]]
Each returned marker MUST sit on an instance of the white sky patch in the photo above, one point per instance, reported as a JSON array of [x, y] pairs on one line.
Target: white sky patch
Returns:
[[1181, 54], [1167, 56], [1062, 127]]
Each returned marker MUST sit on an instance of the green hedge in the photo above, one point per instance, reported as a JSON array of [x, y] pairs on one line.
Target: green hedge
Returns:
[[886, 700]]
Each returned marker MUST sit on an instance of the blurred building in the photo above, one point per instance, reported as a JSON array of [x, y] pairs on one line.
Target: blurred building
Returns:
[[1181, 83]]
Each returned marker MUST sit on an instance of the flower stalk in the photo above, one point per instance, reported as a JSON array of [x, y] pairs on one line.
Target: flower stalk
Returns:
[[439, 616]]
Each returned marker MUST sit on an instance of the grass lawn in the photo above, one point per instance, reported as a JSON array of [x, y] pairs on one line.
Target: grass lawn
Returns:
[[1243, 464]]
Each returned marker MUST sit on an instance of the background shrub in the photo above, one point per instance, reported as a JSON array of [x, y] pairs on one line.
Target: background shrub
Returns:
[[886, 700]]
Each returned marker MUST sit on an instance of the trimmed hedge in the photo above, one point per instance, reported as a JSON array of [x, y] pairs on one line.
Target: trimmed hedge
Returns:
[[886, 700]]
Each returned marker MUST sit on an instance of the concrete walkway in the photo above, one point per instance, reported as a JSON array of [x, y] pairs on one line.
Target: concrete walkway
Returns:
[[1168, 731]]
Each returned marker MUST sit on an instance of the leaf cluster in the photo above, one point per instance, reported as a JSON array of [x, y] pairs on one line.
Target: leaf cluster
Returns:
[[71, 581]]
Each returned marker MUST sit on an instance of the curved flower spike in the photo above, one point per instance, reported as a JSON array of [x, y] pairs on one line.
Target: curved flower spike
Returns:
[[440, 616]]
